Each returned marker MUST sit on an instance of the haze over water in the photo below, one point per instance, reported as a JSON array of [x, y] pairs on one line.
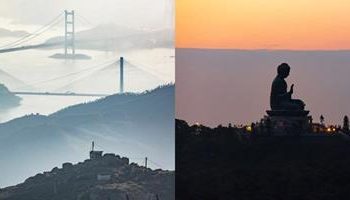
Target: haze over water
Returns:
[[34, 68]]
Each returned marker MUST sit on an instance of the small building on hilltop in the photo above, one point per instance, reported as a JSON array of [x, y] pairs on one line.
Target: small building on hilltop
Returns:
[[95, 154]]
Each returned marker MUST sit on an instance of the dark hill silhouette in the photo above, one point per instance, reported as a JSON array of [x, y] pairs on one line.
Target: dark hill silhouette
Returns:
[[134, 125], [220, 163], [108, 177]]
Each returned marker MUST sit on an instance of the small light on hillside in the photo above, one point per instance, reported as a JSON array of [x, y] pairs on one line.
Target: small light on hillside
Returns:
[[249, 128]]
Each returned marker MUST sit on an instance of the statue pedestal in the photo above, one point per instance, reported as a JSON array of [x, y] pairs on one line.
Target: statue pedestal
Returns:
[[288, 122]]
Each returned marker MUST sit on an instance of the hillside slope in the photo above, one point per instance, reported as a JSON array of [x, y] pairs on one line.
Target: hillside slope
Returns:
[[134, 125]]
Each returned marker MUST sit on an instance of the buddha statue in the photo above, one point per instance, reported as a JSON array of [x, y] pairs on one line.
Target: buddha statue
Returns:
[[280, 98]]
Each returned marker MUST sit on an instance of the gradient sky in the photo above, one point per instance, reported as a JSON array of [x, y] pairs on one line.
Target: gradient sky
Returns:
[[260, 24]]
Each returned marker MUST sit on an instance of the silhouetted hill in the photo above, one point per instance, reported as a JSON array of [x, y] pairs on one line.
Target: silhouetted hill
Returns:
[[108, 177], [134, 125], [221, 163]]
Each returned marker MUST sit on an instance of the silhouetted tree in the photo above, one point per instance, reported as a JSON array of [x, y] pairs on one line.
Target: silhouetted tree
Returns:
[[322, 119], [310, 120], [346, 124], [310, 130], [253, 128]]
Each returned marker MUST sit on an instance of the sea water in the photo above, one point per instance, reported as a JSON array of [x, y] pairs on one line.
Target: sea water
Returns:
[[35, 71]]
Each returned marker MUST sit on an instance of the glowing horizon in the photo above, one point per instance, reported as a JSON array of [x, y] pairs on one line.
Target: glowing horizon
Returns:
[[256, 24]]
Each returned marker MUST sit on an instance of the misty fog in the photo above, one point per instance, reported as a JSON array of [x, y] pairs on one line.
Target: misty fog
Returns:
[[153, 14], [140, 31]]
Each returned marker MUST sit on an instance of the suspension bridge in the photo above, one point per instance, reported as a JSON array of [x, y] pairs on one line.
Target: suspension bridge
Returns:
[[69, 49], [112, 64], [69, 35]]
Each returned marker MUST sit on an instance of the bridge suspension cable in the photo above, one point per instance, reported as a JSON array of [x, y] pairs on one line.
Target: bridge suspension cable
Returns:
[[144, 70], [106, 66], [84, 20], [34, 34], [74, 73]]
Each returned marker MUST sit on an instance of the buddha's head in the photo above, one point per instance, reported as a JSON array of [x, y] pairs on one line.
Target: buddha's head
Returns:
[[283, 70]]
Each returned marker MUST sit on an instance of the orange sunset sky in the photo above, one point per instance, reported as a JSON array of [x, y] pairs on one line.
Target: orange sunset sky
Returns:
[[263, 24]]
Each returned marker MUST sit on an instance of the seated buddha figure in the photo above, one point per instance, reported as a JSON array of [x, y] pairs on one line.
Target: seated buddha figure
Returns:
[[280, 98]]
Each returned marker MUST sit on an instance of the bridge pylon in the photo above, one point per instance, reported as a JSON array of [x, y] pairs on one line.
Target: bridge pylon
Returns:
[[69, 34], [121, 75]]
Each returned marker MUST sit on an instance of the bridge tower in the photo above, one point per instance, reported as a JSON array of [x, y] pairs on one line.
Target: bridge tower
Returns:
[[121, 74], [69, 34]]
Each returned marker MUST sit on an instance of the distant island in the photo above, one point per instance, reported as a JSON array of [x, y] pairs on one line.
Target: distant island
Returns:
[[76, 56], [8, 99], [107, 176]]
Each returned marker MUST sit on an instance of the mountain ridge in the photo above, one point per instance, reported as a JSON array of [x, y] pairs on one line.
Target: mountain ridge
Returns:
[[134, 125]]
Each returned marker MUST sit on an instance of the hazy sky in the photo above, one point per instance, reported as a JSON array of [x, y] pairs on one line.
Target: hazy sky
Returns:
[[222, 86], [135, 13], [259, 24]]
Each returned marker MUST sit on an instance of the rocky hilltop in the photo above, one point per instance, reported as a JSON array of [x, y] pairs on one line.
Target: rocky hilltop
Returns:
[[107, 177]]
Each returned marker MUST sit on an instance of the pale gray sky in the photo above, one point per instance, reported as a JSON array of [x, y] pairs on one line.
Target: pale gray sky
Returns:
[[135, 13]]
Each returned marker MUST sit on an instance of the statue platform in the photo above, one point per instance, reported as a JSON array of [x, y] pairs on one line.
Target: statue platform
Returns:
[[288, 113], [289, 122]]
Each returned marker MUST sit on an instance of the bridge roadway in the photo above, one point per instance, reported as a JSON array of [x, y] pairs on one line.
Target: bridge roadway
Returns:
[[60, 94]]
